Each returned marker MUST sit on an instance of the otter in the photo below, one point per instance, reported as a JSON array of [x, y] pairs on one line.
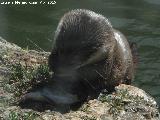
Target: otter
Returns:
[[88, 55]]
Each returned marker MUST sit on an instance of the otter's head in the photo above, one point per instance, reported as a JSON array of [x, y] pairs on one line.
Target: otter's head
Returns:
[[82, 38]]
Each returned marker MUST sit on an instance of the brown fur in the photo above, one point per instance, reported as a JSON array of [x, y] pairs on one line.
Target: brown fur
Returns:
[[79, 36], [88, 56]]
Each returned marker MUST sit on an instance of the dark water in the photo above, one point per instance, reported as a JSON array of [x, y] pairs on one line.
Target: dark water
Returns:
[[33, 27]]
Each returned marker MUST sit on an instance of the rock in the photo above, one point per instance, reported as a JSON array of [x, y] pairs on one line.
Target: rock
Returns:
[[131, 103], [127, 102]]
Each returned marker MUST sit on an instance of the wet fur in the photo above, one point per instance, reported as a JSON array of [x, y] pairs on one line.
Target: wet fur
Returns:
[[88, 56]]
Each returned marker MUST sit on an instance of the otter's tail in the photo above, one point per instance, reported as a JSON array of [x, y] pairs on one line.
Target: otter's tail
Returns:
[[134, 50]]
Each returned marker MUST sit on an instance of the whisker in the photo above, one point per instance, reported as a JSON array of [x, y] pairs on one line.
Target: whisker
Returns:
[[90, 84], [35, 44], [100, 74], [101, 85]]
